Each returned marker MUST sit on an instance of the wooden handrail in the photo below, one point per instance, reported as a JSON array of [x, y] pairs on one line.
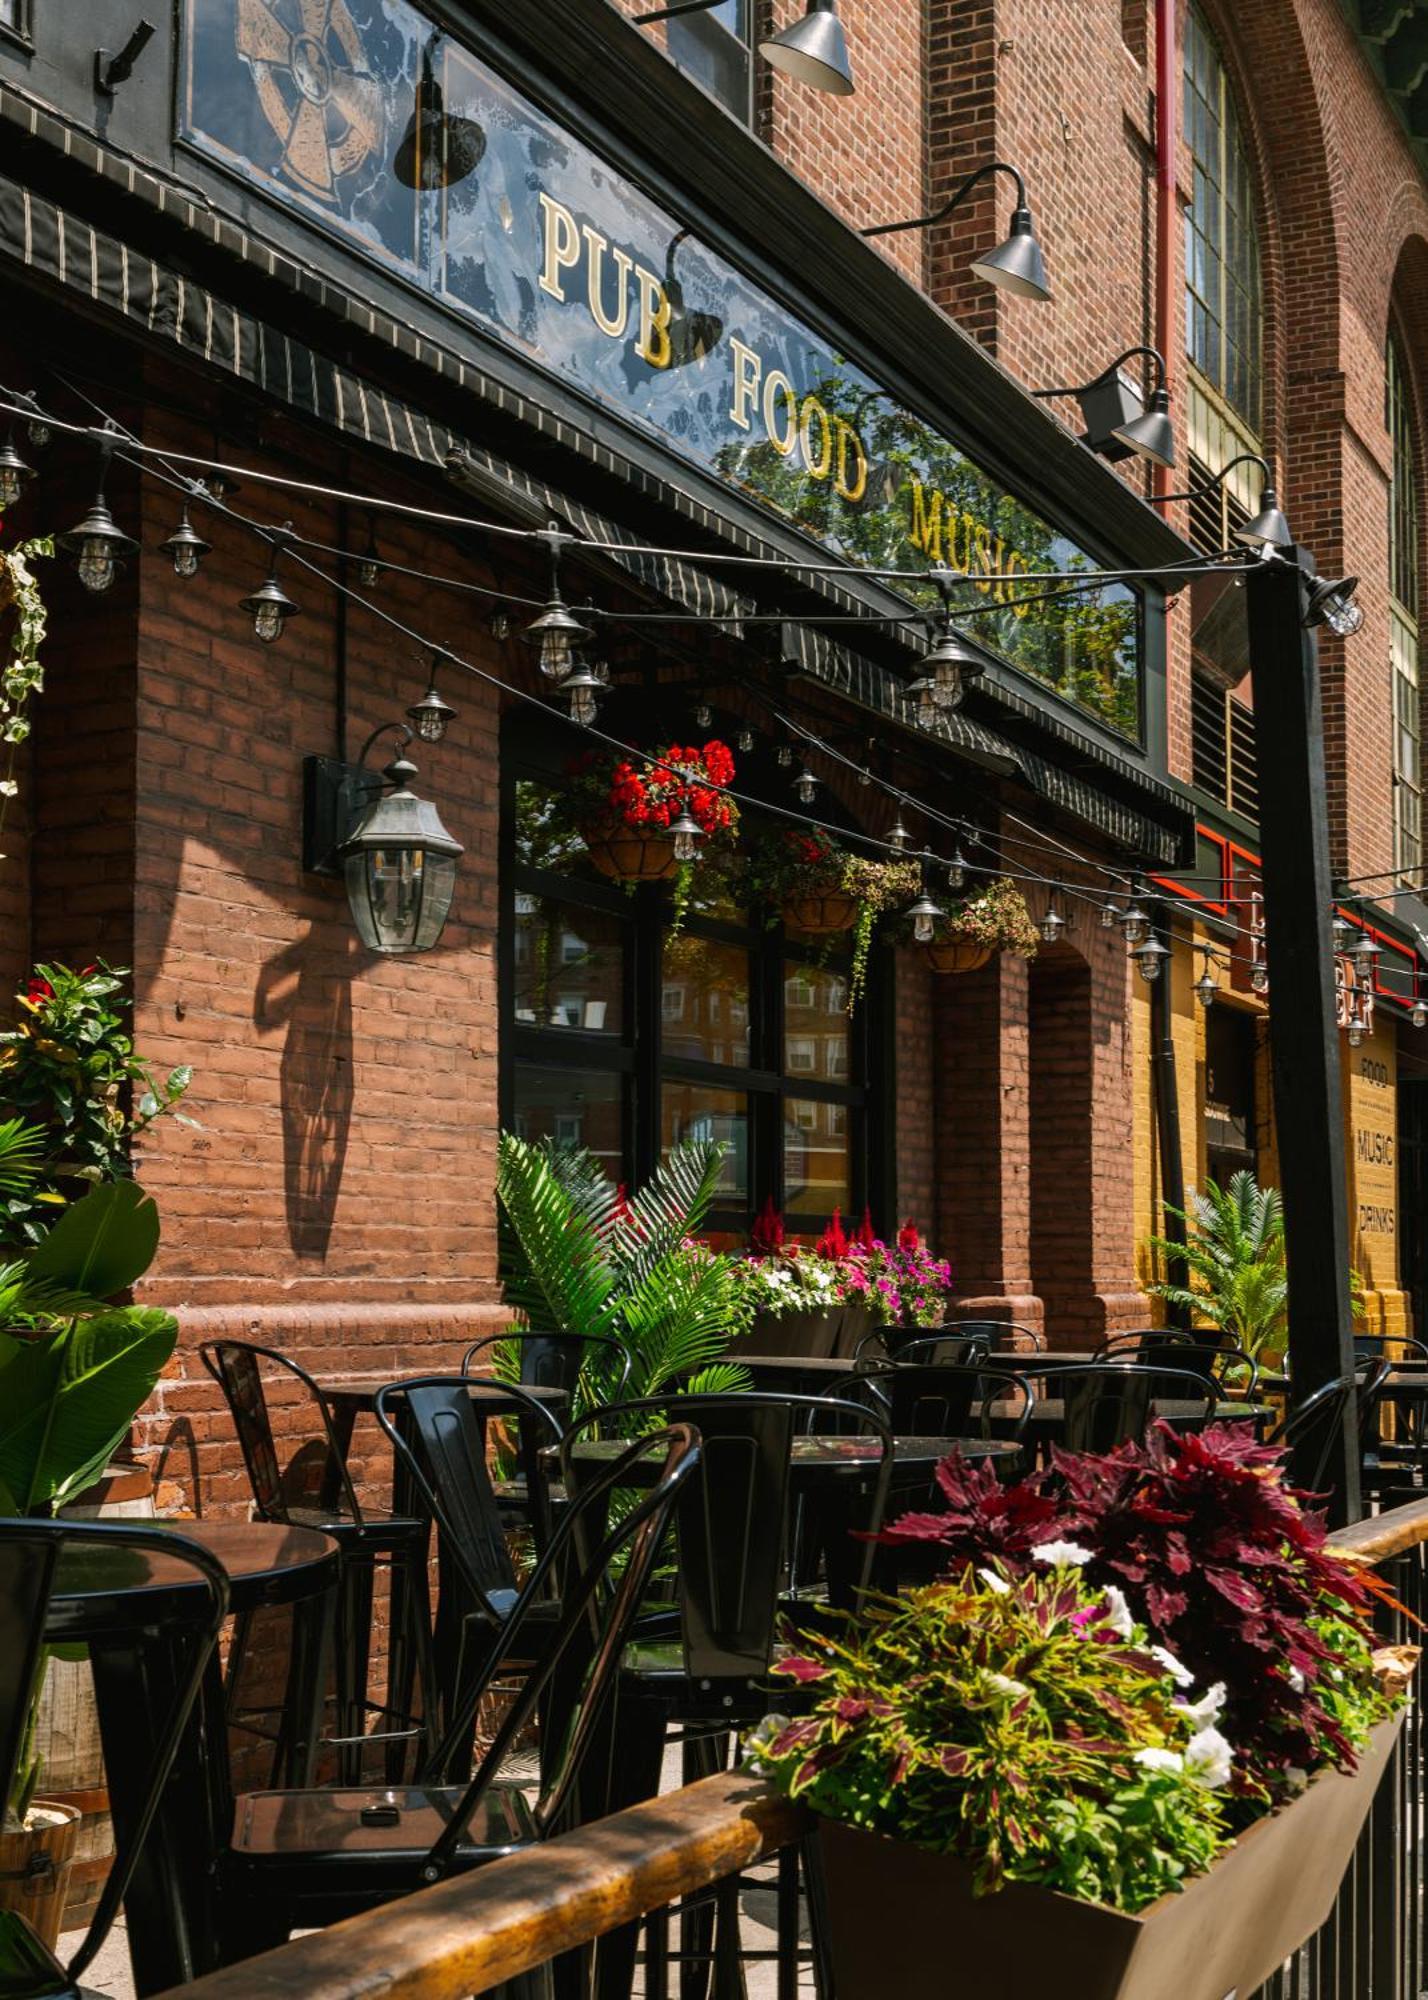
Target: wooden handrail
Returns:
[[470, 1933]]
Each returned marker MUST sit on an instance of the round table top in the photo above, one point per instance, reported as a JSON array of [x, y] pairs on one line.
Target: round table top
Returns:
[[795, 1364], [1405, 1383], [359, 1387], [101, 1588], [1051, 1410], [831, 1455]]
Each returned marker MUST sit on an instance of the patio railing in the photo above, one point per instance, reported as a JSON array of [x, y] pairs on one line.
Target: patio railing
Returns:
[[467, 1935]]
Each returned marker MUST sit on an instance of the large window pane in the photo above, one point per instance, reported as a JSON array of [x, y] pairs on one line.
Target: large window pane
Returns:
[[815, 1023], [816, 1165], [569, 967], [540, 841], [574, 1107], [704, 1000], [692, 1111]]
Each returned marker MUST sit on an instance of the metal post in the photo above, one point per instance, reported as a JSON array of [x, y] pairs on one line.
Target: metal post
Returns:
[[1304, 1034]]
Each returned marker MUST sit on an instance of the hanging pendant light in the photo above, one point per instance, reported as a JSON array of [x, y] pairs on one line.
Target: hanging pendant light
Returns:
[[813, 51], [1110, 915], [687, 835], [957, 869], [745, 739], [582, 690], [431, 716], [703, 715], [1054, 921], [369, 569], [1332, 603], [1150, 957], [923, 692], [97, 544], [1357, 1026], [1343, 935], [784, 755], [270, 605], [898, 836], [925, 915], [805, 785], [1418, 1013], [1207, 987], [37, 429], [1259, 978], [185, 546], [1135, 924], [1366, 955], [557, 632], [14, 473]]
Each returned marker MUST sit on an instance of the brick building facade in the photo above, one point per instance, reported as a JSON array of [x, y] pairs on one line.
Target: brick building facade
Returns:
[[338, 1196]]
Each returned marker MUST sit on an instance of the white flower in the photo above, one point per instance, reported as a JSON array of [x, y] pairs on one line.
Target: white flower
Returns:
[[762, 1736], [1069, 1555], [1004, 1684], [1176, 1669], [1208, 1760], [1118, 1613], [1160, 1760], [998, 1585], [1296, 1779], [1202, 1713], [1297, 1680]]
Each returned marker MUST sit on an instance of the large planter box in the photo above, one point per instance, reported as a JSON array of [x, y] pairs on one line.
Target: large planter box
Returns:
[[805, 1333], [903, 1922]]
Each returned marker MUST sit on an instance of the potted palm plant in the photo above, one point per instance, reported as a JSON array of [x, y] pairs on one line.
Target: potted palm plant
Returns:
[[1015, 1752], [1234, 1251], [74, 1372]]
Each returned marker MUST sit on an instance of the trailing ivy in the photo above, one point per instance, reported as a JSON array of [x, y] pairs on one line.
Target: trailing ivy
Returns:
[[22, 674]]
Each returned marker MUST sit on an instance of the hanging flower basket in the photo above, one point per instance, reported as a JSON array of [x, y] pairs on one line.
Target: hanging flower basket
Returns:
[[821, 916], [626, 855], [957, 955], [892, 1909]]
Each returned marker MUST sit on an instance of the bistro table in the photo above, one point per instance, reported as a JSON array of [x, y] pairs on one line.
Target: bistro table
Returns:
[[122, 1603], [1047, 1414]]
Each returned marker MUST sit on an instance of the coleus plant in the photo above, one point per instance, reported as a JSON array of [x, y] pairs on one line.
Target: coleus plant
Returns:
[[1222, 1560], [1027, 1728]]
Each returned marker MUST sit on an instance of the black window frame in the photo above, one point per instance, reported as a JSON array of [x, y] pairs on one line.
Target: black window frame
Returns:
[[703, 30], [638, 1056]]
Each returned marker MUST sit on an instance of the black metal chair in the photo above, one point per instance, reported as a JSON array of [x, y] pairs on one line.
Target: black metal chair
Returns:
[[702, 1665], [313, 1857], [884, 1346], [596, 1362], [437, 1425], [948, 1399], [315, 1490], [1003, 1336], [1106, 1406], [29, 1559], [1221, 1361], [1375, 1346], [1320, 1416]]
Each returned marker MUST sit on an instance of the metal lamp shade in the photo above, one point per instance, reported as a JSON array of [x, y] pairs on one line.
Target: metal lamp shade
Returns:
[[1016, 265], [1151, 435], [813, 51], [400, 867], [1268, 529]]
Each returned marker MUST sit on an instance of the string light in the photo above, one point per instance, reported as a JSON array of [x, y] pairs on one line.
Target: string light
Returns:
[[499, 624], [14, 472], [923, 692], [582, 690], [925, 915], [369, 570], [1054, 921], [687, 834], [898, 836], [96, 543], [745, 739], [1150, 957], [805, 786], [1135, 924], [431, 716], [270, 605], [1418, 1013], [186, 547], [957, 869], [703, 715], [784, 755], [1259, 978], [1343, 935], [557, 632], [1366, 954], [1207, 987], [1109, 915]]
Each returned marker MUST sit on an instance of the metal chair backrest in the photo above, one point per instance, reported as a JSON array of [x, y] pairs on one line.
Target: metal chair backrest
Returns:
[[1375, 1346], [444, 1453], [1321, 1414], [558, 1361], [946, 1399], [957, 1348], [1003, 1336], [30, 1554], [1110, 1406], [734, 1521], [313, 1477], [1206, 1354]]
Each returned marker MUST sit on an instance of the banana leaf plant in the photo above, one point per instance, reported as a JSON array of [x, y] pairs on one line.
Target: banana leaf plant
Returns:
[[580, 1256], [74, 1369]]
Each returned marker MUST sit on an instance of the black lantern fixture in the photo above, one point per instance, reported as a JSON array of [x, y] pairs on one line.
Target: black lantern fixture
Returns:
[[1366, 954], [1118, 420], [269, 604], [437, 150], [1268, 529], [1053, 924], [185, 546], [898, 836], [399, 864], [98, 546], [805, 787], [957, 870], [431, 716], [15, 474], [1207, 987], [1016, 264], [1332, 603], [582, 688], [557, 632], [925, 916], [1134, 922], [687, 834]]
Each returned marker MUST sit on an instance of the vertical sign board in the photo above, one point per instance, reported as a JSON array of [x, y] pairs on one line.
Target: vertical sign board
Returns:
[[388, 133], [1371, 1090]]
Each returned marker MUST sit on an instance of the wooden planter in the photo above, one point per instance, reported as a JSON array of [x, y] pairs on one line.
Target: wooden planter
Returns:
[[35, 1865], [810, 1333], [820, 916], [628, 856], [902, 1921], [957, 955]]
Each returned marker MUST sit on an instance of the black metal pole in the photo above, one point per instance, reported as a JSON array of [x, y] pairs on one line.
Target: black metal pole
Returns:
[[1167, 1134], [1304, 1034]]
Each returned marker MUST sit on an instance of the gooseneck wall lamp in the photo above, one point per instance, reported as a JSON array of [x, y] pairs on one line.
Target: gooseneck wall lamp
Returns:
[[812, 51], [397, 860], [1118, 419], [1017, 264], [1268, 529]]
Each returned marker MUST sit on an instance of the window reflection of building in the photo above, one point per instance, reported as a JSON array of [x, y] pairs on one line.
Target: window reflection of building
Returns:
[[633, 1039]]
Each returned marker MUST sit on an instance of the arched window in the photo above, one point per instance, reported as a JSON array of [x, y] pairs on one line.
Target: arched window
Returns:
[[619, 1036], [1223, 401], [1403, 563]]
